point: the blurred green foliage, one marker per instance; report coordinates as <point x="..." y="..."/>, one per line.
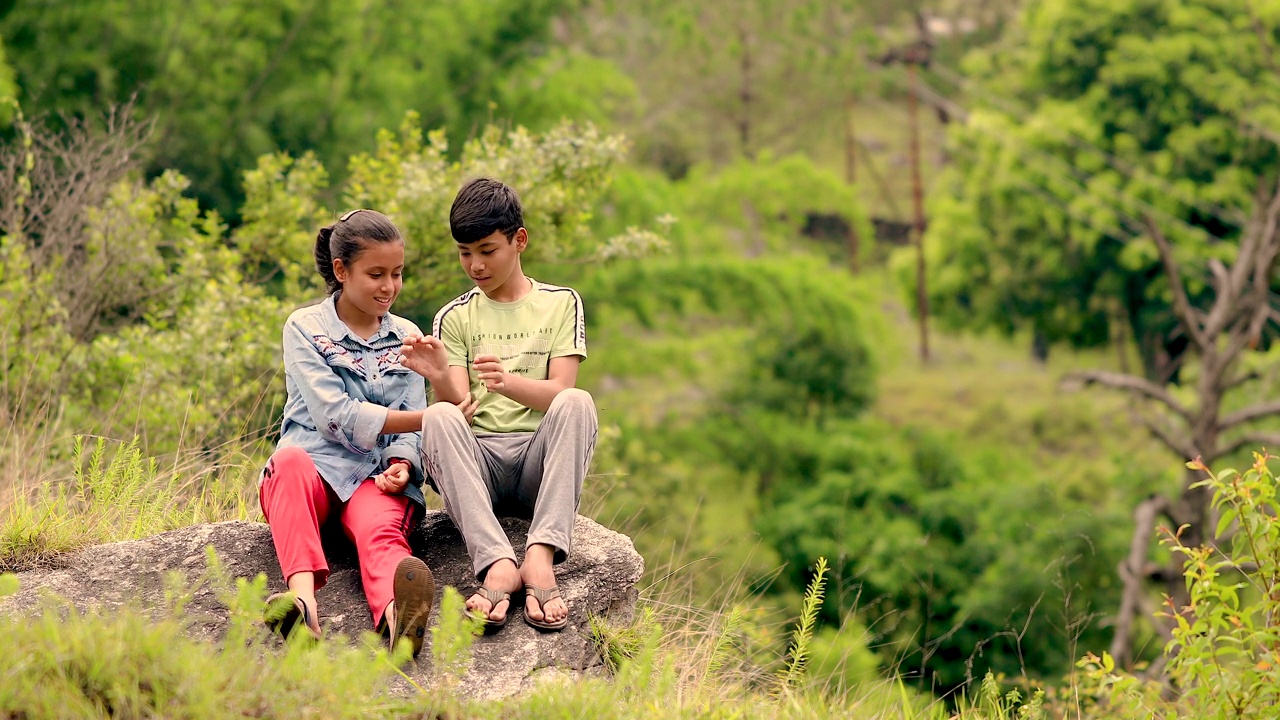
<point x="230" y="81"/>
<point x="954" y="549"/>
<point x="183" y="346"/>
<point x="759" y="406"/>
<point x="718" y="81"/>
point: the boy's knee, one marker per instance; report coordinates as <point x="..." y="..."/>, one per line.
<point x="441" y="414"/>
<point x="576" y="398"/>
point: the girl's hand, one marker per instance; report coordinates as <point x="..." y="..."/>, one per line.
<point x="393" y="480"/>
<point x="490" y="371"/>
<point x="468" y="407"/>
<point x="425" y="355"/>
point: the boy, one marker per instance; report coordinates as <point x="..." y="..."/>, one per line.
<point x="515" y="344"/>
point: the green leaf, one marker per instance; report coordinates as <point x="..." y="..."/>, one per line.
<point x="1228" y="516"/>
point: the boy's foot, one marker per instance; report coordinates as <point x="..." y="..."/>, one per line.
<point x="546" y="597"/>
<point x="493" y="600"/>
<point x="500" y="602"/>
<point x="414" y="590"/>
<point x="544" y="607"/>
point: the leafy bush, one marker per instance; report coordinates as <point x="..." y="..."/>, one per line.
<point x="805" y="351"/>
<point x="769" y="205"/>
<point x="1223" y="659"/>
<point x="927" y="547"/>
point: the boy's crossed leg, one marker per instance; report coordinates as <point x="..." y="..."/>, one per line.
<point x="539" y="473"/>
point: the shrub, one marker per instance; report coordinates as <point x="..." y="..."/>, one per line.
<point x="1224" y="653"/>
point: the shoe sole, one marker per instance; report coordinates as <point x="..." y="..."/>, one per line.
<point x="414" y="590"/>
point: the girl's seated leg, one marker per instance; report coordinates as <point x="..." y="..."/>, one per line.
<point x="378" y="525"/>
<point x="296" y="502"/>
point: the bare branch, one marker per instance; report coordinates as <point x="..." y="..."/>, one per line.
<point x="1221" y="279"/>
<point x="1249" y="414"/>
<point x="1241" y="379"/>
<point x="71" y="175"/>
<point x="1131" y="573"/>
<point x="1186" y="314"/>
<point x="1256" y="439"/>
<point x="1252" y="234"/>
<point x="1134" y="384"/>
<point x="1184" y="448"/>
<point x="1243" y="310"/>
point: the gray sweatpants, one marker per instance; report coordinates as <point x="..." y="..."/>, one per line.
<point x="536" y="474"/>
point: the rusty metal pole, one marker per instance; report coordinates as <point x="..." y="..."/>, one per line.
<point x="851" y="177"/>
<point x="917" y="201"/>
<point x="850" y="143"/>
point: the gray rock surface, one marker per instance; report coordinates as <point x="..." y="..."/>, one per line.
<point x="598" y="579"/>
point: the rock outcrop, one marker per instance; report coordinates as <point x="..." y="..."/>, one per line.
<point x="598" y="579"/>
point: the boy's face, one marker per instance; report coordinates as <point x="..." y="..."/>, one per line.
<point x="491" y="262"/>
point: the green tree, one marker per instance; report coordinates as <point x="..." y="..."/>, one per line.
<point x="1139" y="190"/>
<point x="723" y="80"/>
<point x="1095" y="119"/>
<point x="230" y="81"/>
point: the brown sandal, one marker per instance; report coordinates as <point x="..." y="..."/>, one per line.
<point x="414" y="590"/>
<point x="543" y="595"/>
<point x="494" y="597"/>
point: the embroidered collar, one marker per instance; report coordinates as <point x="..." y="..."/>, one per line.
<point x="337" y="329"/>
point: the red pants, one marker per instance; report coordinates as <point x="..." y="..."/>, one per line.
<point x="297" y="501"/>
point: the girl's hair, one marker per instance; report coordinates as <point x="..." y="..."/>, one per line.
<point x="345" y="240"/>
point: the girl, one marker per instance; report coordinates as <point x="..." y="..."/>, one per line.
<point x="349" y="443"/>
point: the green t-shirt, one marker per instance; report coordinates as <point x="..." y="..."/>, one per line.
<point x="546" y="323"/>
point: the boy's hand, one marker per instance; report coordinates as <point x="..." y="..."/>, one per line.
<point x="490" y="371"/>
<point x="424" y="355"/>
<point x="468" y="407"/>
<point x="393" y="480"/>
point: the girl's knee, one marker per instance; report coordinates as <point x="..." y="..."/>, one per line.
<point x="288" y="461"/>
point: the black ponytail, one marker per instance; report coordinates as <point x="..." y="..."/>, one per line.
<point x="324" y="260"/>
<point x="345" y="240"/>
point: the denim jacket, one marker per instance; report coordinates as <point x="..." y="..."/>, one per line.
<point x="339" y="388"/>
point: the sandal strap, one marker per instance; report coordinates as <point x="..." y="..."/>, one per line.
<point x="542" y="595"/>
<point x="493" y="596"/>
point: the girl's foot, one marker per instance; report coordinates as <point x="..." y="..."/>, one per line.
<point x="414" y="591"/>
<point x="301" y="612"/>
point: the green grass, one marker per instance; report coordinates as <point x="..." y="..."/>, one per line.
<point x="705" y="643"/>
<point x="670" y="663"/>
<point x="114" y="493"/>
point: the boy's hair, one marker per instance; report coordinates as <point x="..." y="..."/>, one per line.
<point x="347" y="238"/>
<point x="485" y="206"/>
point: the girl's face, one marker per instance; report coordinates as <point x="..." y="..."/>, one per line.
<point x="373" y="279"/>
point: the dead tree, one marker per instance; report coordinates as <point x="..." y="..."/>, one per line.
<point x="1218" y="336"/>
<point x="51" y="182"/>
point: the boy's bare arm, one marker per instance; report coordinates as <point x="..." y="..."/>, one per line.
<point x="562" y="373"/>
<point x="453" y="386"/>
